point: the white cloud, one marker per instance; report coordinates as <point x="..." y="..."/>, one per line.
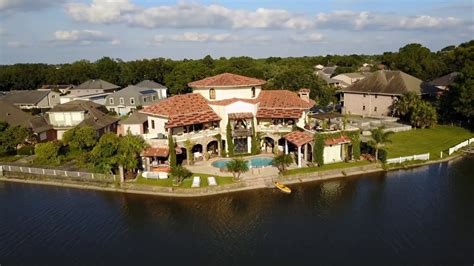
<point x="26" y="5"/>
<point x="16" y="44"/>
<point x="84" y="37"/>
<point x="186" y="15"/>
<point x="311" y="37"/>
<point x="368" y="21"/>
<point x="195" y="37"/>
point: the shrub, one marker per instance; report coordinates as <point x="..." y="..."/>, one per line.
<point x="26" y="150"/>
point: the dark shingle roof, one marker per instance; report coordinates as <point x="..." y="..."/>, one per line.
<point x="150" y="84"/>
<point x="25" y="97"/>
<point x="96" y="84"/>
<point x="445" y="80"/>
<point x="135" y="118"/>
<point x="77" y="105"/>
<point x="391" y="82"/>
<point x="14" y="116"/>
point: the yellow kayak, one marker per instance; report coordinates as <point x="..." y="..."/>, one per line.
<point x="282" y="187"/>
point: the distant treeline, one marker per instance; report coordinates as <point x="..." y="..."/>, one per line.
<point x="281" y="73"/>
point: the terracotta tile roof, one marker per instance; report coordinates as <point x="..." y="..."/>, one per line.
<point x="299" y="138"/>
<point x="159" y="151"/>
<point x="278" y="113"/>
<point x="181" y="110"/>
<point x="226" y="80"/>
<point x="333" y="141"/>
<point x="235" y="116"/>
<point x="282" y="99"/>
<point x="232" y="100"/>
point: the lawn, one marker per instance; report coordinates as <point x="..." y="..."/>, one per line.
<point x="325" y="167"/>
<point x="433" y="140"/>
<point x="11" y="158"/>
<point x="221" y="180"/>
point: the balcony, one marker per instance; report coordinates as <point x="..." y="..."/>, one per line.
<point x="241" y="132"/>
<point x="197" y="134"/>
<point x="275" y="128"/>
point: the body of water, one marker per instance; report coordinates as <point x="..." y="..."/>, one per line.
<point x="421" y="216"/>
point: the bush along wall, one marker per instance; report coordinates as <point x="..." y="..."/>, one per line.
<point x="230" y="142"/>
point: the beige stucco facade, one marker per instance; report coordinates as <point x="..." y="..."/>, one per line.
<point x="222" y="93"/>
<point x="367" y="104"/>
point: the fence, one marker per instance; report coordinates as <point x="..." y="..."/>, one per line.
<point x="460" y="145"/>
<point x="58" y="173"/>
<point x="424" y="157"/>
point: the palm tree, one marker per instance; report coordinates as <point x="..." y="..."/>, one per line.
<point x="237" y="167"/>
<point x="282" y="161"/>
<point x="179" y="173"/>
<point x="189" y="144"/>
<point x="379" y="138"/>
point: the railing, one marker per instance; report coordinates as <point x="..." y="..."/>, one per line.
<point x="242" y="132"/>
<point x="423" y="157"/>
<point x="58" y="173"/>
<point x="197" y="134"/>
<point x="460" y="145"/>
<point x="273" y="128"/>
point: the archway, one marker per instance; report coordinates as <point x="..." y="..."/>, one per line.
<point x="180" y="157"/>
<point x="309" y="155"/>
<point x="268" y="144"/>
<point x="213" y="147"/>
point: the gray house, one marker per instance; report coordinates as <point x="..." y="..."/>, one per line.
<point x="128" y="99"/>
<point x="149" y="84"/>
<point x="32" y="99"/>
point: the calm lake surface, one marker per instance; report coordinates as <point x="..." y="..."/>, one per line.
<point x="422" y="216"/>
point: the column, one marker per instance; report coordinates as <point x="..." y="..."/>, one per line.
<point x="299" y="157"/>
<point x="147" y="163"/>
<point x="219" y="145"/>
<point x="249" y="144"/>
<point x="306" y="152"/>
<point x="286" y="147"/>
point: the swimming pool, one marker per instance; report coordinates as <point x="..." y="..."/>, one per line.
<point x="252" y="162"/>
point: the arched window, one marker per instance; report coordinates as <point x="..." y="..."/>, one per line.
<point x="212" y="94"/>
<point x="253" y="92"/>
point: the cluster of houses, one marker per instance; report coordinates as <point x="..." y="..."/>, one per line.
<point x="285" y="121"/>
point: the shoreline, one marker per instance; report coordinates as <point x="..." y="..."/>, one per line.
<point x="230" y="188"/>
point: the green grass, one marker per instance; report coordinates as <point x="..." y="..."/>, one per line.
<point x="11" y="158"/>
<point x="325" y="167"/>
<point x="221" y="180"/>
<point x="432" y="140"/>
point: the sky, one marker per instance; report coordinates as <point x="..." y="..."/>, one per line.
<point x="61" y="31"/>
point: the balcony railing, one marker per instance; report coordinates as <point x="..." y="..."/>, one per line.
<point x="241" y="132"/>
<point x="197" y="134"/>
<point x="275" y="128"/>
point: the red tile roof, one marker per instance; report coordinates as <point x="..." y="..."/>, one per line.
<point x="226" y="80"/>
<point x="232" y="100"/>
<point x="281" y="104"/>
<point x="235" y="116"/>
<point x="159" y="151"/>
<point x="182" y="110"/>
<point x="299" y="138"/>
<point x="278" y="113"/>
<point x="333" y="141"/>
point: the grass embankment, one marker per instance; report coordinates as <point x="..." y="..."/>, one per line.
<point x="221" y="180"/>
<point x="432" y="140"/>
<point x="325" y="167"/>
<point x="11" y="158"/>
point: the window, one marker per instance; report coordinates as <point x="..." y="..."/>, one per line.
<point x="111" y="100"/>
<point x="375" y="109"/>
<point x="153" y="98"/>
<point x="365" y="95"/>
<point x="145" y="99"/>
<point x="153" y="124"/>
<point x="112" y="109"/>
<point x="253" y="92"/>
<point x="363" y="107"/>
<point x="132" y="100"/>
<point x="122" y="101"/>
<point x="212" y="94"/>
<point x="53" y="96"/>
<point x="375" y="96"/>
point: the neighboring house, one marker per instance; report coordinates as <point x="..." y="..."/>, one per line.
<point x="32" y="99"/>
<point x="136" y="123"/>
<point x="149" y="84"/>
<point x="325" y="74"/>
<point x="95" y="90"/>
<point x="347" y="79"/>
<point x="220" y="100"/>
<point x="63" y="89"/>
<point x="129" y="99"/>
<point x="374" y="95"/>
<point x="80" y="113"/>
<point x="14" y="116"/>
<point x="318" y="67"/>
<point x="445" y="82"/>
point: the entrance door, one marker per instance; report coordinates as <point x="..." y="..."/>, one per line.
<point x="241" y="145"/>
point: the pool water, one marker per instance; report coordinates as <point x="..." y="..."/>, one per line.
<point x="253" y="162"/>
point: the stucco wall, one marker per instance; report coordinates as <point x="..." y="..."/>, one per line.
<point x="375" y="105"/>
<point x="228" y="93"/>
<point x="332" y="154"/>
<point x="159" y="125"/>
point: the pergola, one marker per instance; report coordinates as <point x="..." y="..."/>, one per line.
<point x="300" y="139"/>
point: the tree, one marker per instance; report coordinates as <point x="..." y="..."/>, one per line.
<point x="129" y="151"/>
<point x="81" y="139"/>
<point x="378" y="138"/>
<point x="423" y="115"/>
<point x="104" y="156"/>
<point x="189" y="144"/>
<point x="172" y="151"/>
<point x="255" y="140"/>
<point x="282" y="161"/>
<point x="237" y="167"/>
<point x="108" y="69"/>
<point x="403" y="106"/>
<point x="179" y="173"/>
<point x="12" y="137"/>
<point x="230" y="142"/>
<point x="318" y="149"/>
<point x="48" y="153"/>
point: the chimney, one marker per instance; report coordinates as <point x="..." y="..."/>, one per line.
<point x="304" y="94"/>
